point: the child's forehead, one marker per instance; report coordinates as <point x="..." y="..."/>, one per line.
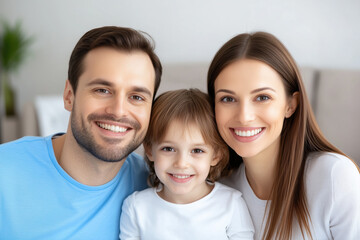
<point x="183" y="128"/>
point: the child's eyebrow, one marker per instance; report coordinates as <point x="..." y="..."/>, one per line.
<point x="201" y="145"/>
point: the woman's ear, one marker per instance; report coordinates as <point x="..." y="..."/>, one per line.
<point x="147" y="150"/>
<point x="68" y="96"/>
<point x="292" y="104"/>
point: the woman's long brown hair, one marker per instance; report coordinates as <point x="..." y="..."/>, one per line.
<point x="299" y="137"/>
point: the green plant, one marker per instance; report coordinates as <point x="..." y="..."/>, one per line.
<point x="13" y="49"/>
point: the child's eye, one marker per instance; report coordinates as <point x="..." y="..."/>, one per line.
<point x="227" y="99"/>
<point x="197" y="150"/>
<point x="168" y="149"/>
<point x="262" y="98"/>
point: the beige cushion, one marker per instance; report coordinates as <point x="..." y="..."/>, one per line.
<point x="183" y="75"/>
<point x="338" y="111"/>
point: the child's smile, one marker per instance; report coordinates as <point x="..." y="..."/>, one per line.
<point x="182" y="163"/>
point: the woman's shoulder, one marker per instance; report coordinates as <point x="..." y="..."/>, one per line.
<point x="330" y="169"/>
<point x="328" y="162"/>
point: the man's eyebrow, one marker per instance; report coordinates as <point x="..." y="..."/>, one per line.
<point x="100" y="81"/>
<point x="143" y="90"/>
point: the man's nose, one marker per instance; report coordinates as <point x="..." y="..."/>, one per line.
<point x="117" y="106"/>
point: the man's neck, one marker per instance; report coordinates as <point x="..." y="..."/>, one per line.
<point x="81" y="165"/>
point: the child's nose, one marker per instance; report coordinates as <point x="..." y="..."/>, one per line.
<point x="181" y="161"/>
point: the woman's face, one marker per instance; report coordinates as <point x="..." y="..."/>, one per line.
<point x="250" y="107"/>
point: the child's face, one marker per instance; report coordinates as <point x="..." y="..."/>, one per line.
<point x="182" y="162"/>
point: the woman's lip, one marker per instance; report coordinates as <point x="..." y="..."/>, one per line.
<point x="247" y="134"/>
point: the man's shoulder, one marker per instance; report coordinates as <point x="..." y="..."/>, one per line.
<point x="136" y="160"/>
<point x="136" y="170"/>
<point x="21" y="145"/>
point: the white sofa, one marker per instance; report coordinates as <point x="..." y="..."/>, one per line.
<point x="332" y="93"/>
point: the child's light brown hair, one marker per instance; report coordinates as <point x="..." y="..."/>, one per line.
<point x="189" y="106"/>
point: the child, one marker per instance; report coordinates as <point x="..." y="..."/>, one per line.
<point x="185" y="155"/>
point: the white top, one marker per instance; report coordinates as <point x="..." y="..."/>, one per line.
<point x="222" y="214"/>
<point x="332" y="185"/>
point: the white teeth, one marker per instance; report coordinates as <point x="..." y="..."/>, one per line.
<point x="181" y="176"/>
<point x="247" y="133"/>
<point x="112" y="128"/>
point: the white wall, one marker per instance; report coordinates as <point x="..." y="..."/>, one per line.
<point x="319" y="33"/>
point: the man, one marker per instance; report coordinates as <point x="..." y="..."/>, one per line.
<point x="72" y="186"/>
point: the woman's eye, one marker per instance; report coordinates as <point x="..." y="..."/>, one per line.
<point x="197" y="150"/>
<point x="227" y="99"/>
<point x="262" y="98"/>
<point x="167" y="149"/>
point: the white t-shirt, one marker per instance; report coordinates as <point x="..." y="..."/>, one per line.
<point x="222" y="214"/>
<point x="332" y="184"/>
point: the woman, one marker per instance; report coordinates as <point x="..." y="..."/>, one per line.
<point x="278" y="152"/>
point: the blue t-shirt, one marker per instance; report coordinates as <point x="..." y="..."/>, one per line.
<point x="39" y="200"/>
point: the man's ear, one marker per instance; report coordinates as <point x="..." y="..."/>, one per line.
<point x="68" y="96"/>
<point x="147" y="150"/>
<point x="292" y="104"/>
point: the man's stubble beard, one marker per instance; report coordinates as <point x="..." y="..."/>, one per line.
<point x="86" y="140"/>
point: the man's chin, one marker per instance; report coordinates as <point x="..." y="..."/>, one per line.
<point x="114" y="153"/>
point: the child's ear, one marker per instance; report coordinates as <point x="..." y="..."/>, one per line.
<point x="147" y="150"/>
<point x="292" y="104"/>
<point x="215" y="160"/>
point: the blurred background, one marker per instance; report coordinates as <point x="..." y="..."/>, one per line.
<point x="323" y="36"/>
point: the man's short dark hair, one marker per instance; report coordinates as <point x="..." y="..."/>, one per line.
<point x="124" y="39"/>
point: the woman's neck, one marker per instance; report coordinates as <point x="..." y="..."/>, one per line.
<point x="260" y="171"/>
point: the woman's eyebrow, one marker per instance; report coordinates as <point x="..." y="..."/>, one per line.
<point x="224" y="91"/>
<point x="262" y="89"/>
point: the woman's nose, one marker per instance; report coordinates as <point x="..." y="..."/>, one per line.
<point x="245" y="112"/>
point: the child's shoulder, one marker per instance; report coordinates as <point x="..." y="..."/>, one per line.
<point x="226" y="191"/>
<point x="143" y="193"/>
<point x="140" y="196"/>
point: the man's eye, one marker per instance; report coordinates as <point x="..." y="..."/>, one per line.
<point x="137" y="98"/>
<point x="167" y="149"/>
<point x="197" y="150"/>
<point x="103" y="91"/>
<point x="227" y="99"/>
<point x="262" y="98"/>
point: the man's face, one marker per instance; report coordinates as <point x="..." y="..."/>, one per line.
<point x="112" y="105"/>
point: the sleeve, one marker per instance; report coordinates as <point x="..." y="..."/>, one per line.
<point x="345" y="213"/>
<point x="129" y="229"/>
<point x="241" y="225"/>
